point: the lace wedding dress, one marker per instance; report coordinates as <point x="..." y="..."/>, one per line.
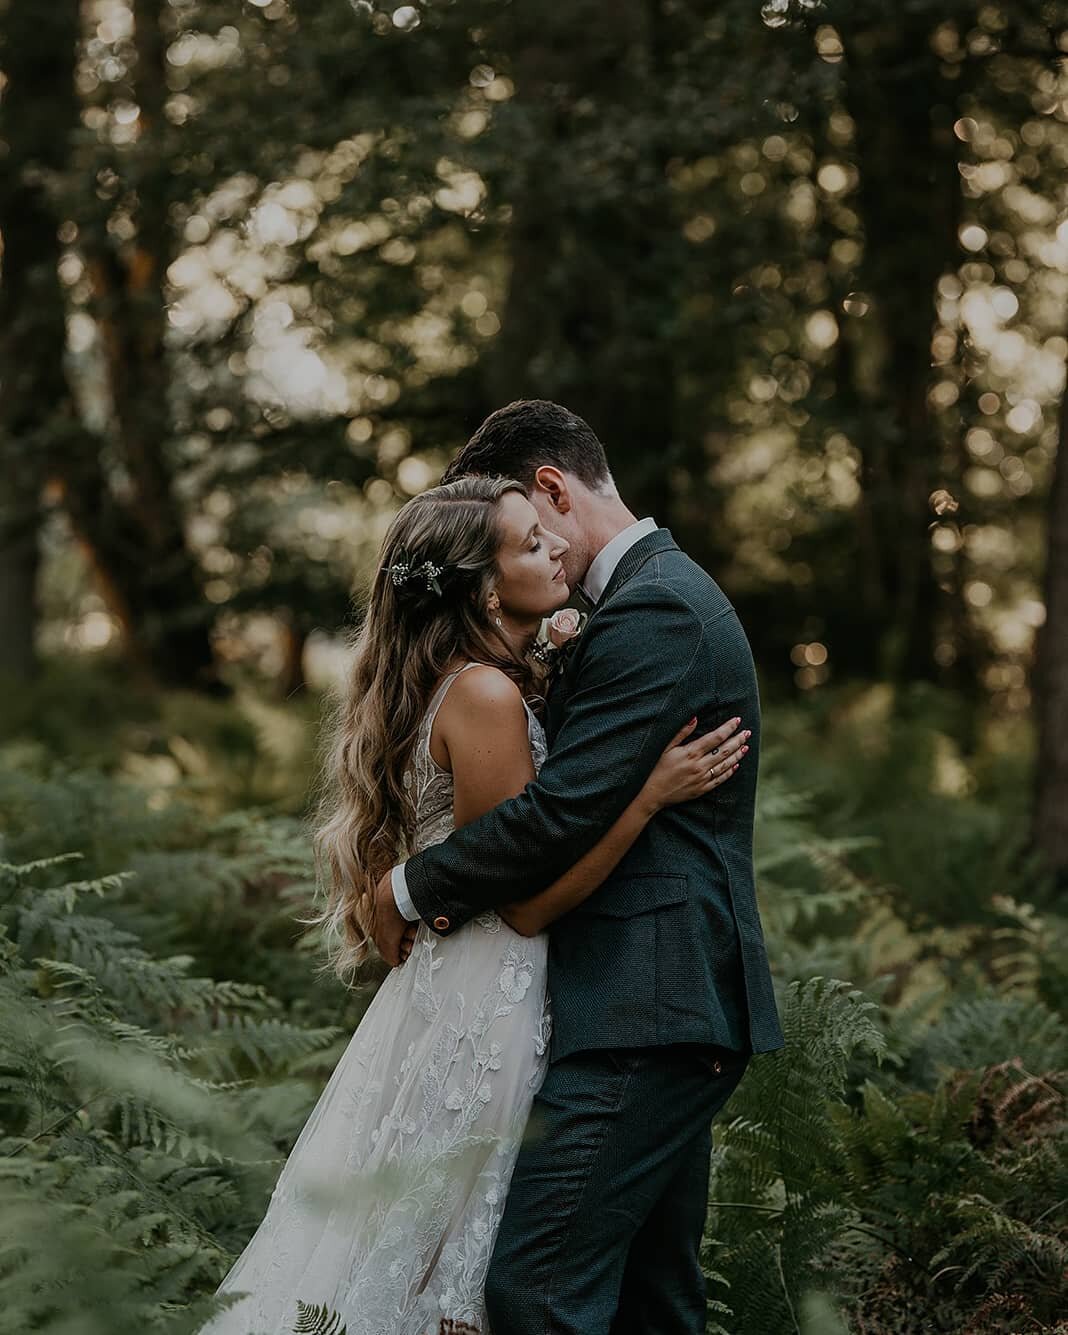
<point x="387" y="1209"/>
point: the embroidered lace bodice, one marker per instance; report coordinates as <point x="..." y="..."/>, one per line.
<point x="388" y="1207"/>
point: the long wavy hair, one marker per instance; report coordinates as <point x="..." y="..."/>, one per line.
<point x="411" y="634"/>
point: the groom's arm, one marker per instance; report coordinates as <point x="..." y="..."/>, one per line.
<point x="641" y="676"/>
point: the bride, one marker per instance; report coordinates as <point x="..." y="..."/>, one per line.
<point x="384" y="1216"/>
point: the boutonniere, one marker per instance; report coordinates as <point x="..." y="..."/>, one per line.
<point x="557" y="637"/>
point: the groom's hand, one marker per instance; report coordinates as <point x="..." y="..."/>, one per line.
<point x="394" y="935"/>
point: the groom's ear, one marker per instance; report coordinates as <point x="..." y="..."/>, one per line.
<point x="555" y="485"/>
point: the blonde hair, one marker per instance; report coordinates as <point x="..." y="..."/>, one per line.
<point x="409" y="637"/>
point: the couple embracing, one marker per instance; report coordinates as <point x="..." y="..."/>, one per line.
<point x="517" y="1137"/>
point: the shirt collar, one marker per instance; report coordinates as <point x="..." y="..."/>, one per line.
<point x="603" y="565"/>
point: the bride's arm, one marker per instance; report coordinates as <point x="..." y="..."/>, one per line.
<point x="684" y="771"/>
<point x="483" y="727"/>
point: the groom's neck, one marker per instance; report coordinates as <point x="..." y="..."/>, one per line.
<point x="607" y="517"/>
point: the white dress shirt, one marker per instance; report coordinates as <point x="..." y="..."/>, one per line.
<point x="601" y="570"/>
<point x="603" y="565"/>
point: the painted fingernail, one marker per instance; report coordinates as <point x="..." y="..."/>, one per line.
<point x="748" y="732"/>
<point x="744" y="750"/>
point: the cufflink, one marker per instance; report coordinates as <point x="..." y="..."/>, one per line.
<point x="441" y="923"/>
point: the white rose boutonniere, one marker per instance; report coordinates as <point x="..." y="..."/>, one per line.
<point x="558" y="633"/>
<point x="564" y="625"/>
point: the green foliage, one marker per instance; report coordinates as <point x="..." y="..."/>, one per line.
<point x="136" y="1144"/>
<point x="776" y="1197"/>
<point x="757" y="227"/>
<point x="800" y="267"/>
<point x="899" y="1165"/>
<point x="164" y="1034"/>
<point x="964" y="1184"/>
<point x="247" y="751"/>
<point x="318" y="1320"/>
<point x="947" y="1201"/>
<point x="944" y="817"/>
<point x="224" y="887"/>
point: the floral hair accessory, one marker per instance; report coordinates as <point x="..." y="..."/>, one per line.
<point x="403" y="570"/>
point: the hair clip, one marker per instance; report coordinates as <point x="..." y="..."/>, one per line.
<point x="402" y="571"/>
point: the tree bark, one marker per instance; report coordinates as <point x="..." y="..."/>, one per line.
<point x="140" y="548"/>
<point x="294" y="639"/>
<point x="909" y="187"/>
<point x="134" y="537"/>
<point x="40" y="112"/>
<point x="1051" y="676"/>
<point x="582" y="321"/>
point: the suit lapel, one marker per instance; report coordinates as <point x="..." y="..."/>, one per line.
<point x="632" y="560"/>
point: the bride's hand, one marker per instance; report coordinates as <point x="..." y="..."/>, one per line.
<point x="691" y="769"/>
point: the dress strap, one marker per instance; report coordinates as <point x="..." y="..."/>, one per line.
<point x="439" y="696"/>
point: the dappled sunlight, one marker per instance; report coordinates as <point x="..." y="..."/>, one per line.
<point x="802" y="266"/>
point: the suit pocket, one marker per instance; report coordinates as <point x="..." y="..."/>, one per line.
<point x="609" y="958"/>
<point x="629" y="896"/>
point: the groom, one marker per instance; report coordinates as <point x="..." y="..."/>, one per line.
<point x="659" y="982"/>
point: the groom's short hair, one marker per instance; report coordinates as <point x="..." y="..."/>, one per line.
<point x="517" y="440"/>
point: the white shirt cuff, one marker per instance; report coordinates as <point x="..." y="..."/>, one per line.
<point x="400" y="893"/>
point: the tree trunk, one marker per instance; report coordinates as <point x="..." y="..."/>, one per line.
<point x="294" y="639"/>
<point x="1051" y="676"/>
<point x="40" y="114"/>
<point x="584" y="317"/>
<point x="141" y="550"/>
<point x="18" y="593"/>
<point x="909" y="187"/>
<point x="135" y="538"/>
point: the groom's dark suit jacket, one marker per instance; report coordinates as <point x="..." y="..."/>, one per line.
<point x="669" y="949"/>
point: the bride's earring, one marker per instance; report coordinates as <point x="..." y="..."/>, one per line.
<point x="496" y="607"/>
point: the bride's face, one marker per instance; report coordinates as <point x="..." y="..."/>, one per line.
<point x="531" y="584"/>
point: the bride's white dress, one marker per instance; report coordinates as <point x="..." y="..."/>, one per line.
<point x="388" y="1206"/>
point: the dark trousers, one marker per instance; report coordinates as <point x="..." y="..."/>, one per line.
<point x="601" y="1234"/>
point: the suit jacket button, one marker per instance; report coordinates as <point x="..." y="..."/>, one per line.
<point x="441" y="923"/>
<point x="717" y="1067"/>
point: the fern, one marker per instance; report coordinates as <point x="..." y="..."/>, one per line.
<point x="123" y="1147"/>
<point x="777" y="1179"/>
<point x="966" y="1187"/>
<point x="987" y="1030"/>
<point x="902" y="1163"/>
<point x="317" y="1320"/>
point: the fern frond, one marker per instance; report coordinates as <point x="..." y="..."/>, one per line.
<point x="322" y="1320"/>
<point x="18" y="873"/>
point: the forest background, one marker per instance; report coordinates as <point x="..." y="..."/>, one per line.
<point x="804" y="267"/>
